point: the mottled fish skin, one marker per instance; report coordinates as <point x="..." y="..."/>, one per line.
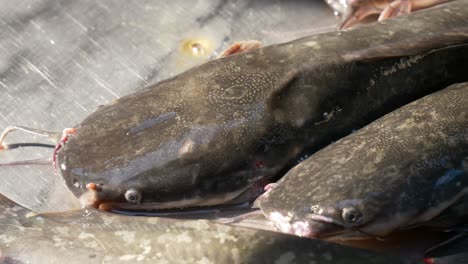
<point x="402" y="170"/>
<point x="97" y="237"/>
<point x="212" y="132"/>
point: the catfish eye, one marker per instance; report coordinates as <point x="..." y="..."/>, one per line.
<point x="133" y="196"/>
<point x="351" y="215"/>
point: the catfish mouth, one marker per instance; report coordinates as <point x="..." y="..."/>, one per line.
<point x="324" y="227"/>
<point x="96" y="197"/>
<point x="312" y="226"/>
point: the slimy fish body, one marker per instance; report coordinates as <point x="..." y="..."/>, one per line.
<point x="406" y="169"/>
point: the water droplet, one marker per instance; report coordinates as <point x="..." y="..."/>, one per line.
<point x="197" y="47"/>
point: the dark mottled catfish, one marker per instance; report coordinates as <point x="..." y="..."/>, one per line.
<point x="90" y="237"/>
<point x="218" y="132"/>
<point x="407" y="169"/>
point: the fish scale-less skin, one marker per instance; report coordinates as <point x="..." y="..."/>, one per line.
<point x="394" y="171"/>
<point x="218" y="128"/>
<point x="97" y="237"/>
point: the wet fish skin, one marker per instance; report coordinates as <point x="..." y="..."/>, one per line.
<point x="98" y="237"/>
<point x="207" y="135"/>
<point x="399" y="171"/>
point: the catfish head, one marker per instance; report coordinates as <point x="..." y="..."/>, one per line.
<point x="198" y="139"/>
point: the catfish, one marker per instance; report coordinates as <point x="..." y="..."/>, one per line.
<point x="219" y="132"/>
<point x="405" y="170"/>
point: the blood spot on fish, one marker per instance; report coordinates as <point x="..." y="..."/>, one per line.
<point x="428" y="260"/>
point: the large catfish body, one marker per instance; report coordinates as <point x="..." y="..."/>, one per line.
<point x="213" y="132"/>
<point x="406" y="169"/>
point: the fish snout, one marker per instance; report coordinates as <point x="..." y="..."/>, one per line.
<point x="316" y="226"/>
<point x="101" y="196"/>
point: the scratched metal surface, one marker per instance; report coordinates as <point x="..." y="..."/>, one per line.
<point x="59" y="60"/>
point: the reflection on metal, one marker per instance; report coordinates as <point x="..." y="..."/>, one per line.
<point x="197" y="47"/>
<point x="193" y="51"/>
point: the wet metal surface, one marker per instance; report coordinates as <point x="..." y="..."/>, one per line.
<point x="60" y="60"/>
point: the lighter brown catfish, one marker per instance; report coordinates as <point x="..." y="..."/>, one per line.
<point x="406" y="169"/>
<point x="220" y="131"/>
